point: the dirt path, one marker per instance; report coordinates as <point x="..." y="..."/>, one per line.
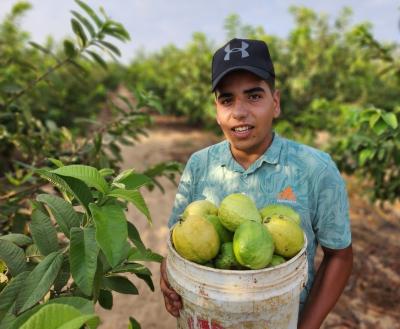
<point x="371" y="299"/>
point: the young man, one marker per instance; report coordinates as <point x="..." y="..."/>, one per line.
<point x="270" y="169"/>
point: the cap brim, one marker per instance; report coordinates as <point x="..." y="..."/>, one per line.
<point x="259" y="72"/>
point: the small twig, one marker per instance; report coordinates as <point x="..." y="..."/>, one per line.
<point x="27" y="189"/>
<point x="36" y="81"/>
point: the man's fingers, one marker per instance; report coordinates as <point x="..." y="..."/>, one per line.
<point x="172" y="300"/>
<point x="173" y="309"/>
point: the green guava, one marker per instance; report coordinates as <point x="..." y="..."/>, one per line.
<point x="287" y="235"/>
<point x="280" y="211"/>
<point x="209" y="264"/>
<point x="253" y="245"/>
<point x="201" y="208"/>
<point x="237" y="208"/>
<point x="196" y="239"/>
<point x="226" y="259"/>
<point x="276" y="260"/>
<point x="224" y="234"/>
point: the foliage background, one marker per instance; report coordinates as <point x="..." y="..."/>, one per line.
<point x="337" y="81"/>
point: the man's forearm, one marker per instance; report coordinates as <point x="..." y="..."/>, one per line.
<point x="330" y="280"/>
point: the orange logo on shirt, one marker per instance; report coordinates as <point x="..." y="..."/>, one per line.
<point x="287" y="194"/>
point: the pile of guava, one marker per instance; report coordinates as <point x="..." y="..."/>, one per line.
<point x="236" y="235"/>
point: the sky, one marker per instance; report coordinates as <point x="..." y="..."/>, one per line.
<point x="155" y="23"/>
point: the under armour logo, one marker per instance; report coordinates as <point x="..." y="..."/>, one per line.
<point x="243" y="50"/>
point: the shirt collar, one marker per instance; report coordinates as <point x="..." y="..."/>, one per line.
<point x="271" y="155"/>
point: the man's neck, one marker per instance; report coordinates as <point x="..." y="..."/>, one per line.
<point x="247" y="158"/>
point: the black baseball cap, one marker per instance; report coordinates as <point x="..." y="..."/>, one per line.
<point x="242" y="54"/>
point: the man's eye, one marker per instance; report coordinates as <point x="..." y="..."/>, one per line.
<point x="225" y="101"/>
<point x="254" y="97"/>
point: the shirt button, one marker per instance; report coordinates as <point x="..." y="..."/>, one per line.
<point x="244" y="175"/>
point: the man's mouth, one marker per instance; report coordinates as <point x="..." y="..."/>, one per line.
<point x="242" y="129"/>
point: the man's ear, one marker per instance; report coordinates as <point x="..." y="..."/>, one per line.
<point x="215" y="105"/>
<point x="276" y="96"/>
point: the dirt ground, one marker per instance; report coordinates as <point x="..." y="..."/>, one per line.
<point x="371" y="298"/>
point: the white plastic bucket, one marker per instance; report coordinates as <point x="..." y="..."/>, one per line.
<point x="227" y="299"/>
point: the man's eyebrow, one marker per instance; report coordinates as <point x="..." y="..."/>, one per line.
<point x="223" y="95"/>
<point x="247" y="91"/>
<point x="253" y="90"/>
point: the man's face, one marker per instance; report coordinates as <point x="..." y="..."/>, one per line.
<point x="245" y="110"/>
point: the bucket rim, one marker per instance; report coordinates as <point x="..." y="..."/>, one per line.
<point x="217" y="270"/>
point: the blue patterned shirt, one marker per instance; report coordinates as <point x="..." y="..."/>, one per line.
<point x="289" y="173"/>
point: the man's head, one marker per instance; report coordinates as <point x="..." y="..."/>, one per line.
<point x="243" y="54"/>
<point x="245" y="99"/>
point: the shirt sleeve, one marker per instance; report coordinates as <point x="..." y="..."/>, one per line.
<point x="184" y="194"/>
<point x="331" y="222"/>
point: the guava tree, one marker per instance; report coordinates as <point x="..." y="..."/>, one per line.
<point x="335" y="78"/>
<point x="63" y="249"/>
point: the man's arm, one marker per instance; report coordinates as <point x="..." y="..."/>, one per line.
<point x="330" y="280"/>
<point x="173" y="302"/>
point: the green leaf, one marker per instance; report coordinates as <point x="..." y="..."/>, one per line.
<point x="90" y="12"/>
<point x="106" y="172"/>
<point x="134" y="236"/>
<point x="3" y="267"/>
<point x="33" y="254"/>
<point x="111" y="231"/>
<point x="133" y="324"/>
<point x="43" y="232"/>
<point x="97" y="58"/>
<point x="120" y="284"/>
<point x="17" y="238"/>
<point x="110" y="47"/>
<point x="58" y="316"/>
<point x="83" y="258"/>
<point x="390" y="119"/>
<point x="132" y="180"/>
<point x="22" y="318"/>
<point x="380" y="127"/>
<point x="85" y="22"/>
<point x="70" y="185"/>
<point x="132" y="268"/>
<point x="58" y="163"/>
<point x="116" y="30"/>
<point x="82" y="70"/>
<point x="7" y="321"/>
<point x="69" y="49"/>
<point x="374" y="118"/>
<point x="365" y="155"/>
<point x="144" y="255"/>
<point x="78" y="30"/>
<point x="147" y="279"/>
<point x="87" y="174"/>
<point x="83" y="305"/>
<point x="63" y="276"/>
<point x="106" y="299"/>
<point x="11" y="88"/>
<point x="133" y="196"/>
<point x="9" y="294"/>
<point x="62" y="211"/>
<point x="39" y="47"/>
<point x="13" y="256"/>
<point x="39" y="281"/>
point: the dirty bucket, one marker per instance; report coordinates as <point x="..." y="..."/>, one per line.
<point x="227" y="299"/>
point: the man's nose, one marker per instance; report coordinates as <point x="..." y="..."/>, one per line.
<point x="239" y="110"/>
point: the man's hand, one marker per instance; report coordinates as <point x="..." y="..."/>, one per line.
<point x="329" y="282"/>
<point x="172" y="300"/>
